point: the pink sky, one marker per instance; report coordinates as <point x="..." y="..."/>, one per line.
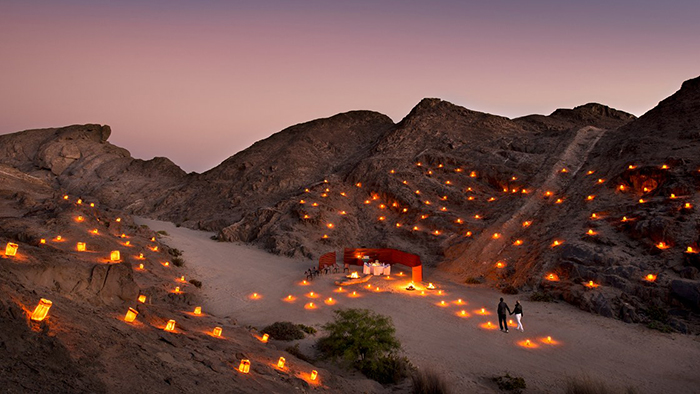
<point x="199" y="81"/>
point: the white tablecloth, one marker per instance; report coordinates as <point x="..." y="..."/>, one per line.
<point x="376" y="269"/>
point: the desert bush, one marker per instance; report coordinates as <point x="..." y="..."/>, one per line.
<point x="586" y="385"/>
<point x="509" y="290"/>
<point x="307" y="329"/>
<point x="659" y="326"/>
<point x="296" y="352"/>
<point x="162" y="232"/>
<point x="428" y="382"/>
<point x="196" y="283"/>
<point x="513" y="384"/>
<point x="178" y="261"/>
<point x="472" y="281"/>
<point x="358" y="335"/>
<point x="390" y="369"/>
<point x="541" y="297"/>
<point x="284" y="331"/>
<point x="175" y="252"/>
<point x="656" y="313"/>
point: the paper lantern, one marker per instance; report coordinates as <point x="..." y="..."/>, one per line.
<point x="153" y="239"/>
<point x="557" y="243"/>
<point x="430" y="286"/>
<point x="79" y="202"/>
<point x="123" y="235"/>
<point x="42" y="241"/>
<point x="65" y="197"/>
<point x="198" y="310"/>
<point x="118" y="220"/>
<point x="662" y="245"/>
<point x="115" y="255"/>
<point x="141" y="266"/>
<point x="92" y="205"/>
<point x="631" y="167"/>
<point x="665" y="167"/>
<point x="548" y="193"/>
<point x="280" y="363"/>
<point x="140" y="256"/>
<point x="59" y="238"/>
<point x="217" y="331"/>
<point x="11" y="249"/>
<point x="79" y="219"/>
<point x="314" y="375"/>
<point x="591" y="232"/>
<point x="177" y="290"/>
<point x="131" y="315"/>
<point x="142" y="298"/>
<point x="496" y="236"/>
<point x="310" y="305"/>
<point x="41" y="310"/>
<point x="500" y="264"/>
<point x="601" y="180"/>
<point x="265" y="338"/>
<point x="590" y="197"/>
<point x="518" y="242"/>
<point x="81" y="246"/>
<point x="244" y="367"/>
<point x="591" y="285"/>
<point x="691" y="250"/>
<point x="650" y="278"/>
<point x="170" y="326"/>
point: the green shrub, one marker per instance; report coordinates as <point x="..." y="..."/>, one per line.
<point x="144" y="226"/>
<point x="196" y="283"/>
<point x="428" y="382"/>
<point x="586" y="385"/>
<point x="178" y="261"/>
<point x="284" y="331"/>
<point x="472" y="281"/>
<point x="656" y="313"/>
<point x="509" y="290"/>
<point x="657" y="325"/>
<point x="162" y="232"/>
<point x="307" y="329"/>
<point x="175" y="252"/>
<point x="510" y="383"/>
<point x="358" y="335"/>
<point x="296" y="352"/>
<point x="390" y="369"/>
<point x="541" y="297"/>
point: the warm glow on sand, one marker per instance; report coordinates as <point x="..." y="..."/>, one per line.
<point x="310" y="305"/>
<point x="552" y="277"/>
<point x="329" y="301"/>
<point x="131" y="315"/>
<point x="556" y="243"/>
<point x="527" y="223"/>
<point x="142" y="298"/>
<point x="548" y="340"/>
<point x="354" y="294"/>
<point x="488" y="326"/>
<point x="312" y="295"/>
<point x="650" y="278"/>
<point x="170" y="326"/>
<point x="463" y="313"/>
<point x="255" y="296"/>
<point x="482" y="312"/>
<point x="662" y="245"/>
<point x="518" y="242"/>
<point x="591" y="232"/>
<point x="500" y="264"/>
<point x="496" y="236"/>
<point x="41" y="310"/>
<point x="289" y="298"/>
<point x="528" y="344"/>
<point x="11" y="249"/>
<point x="591" y="284"/>
<point x="691" y="250"/>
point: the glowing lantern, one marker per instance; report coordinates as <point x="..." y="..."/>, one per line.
<point x="558" y="201"/>
<point x="343" y="212"/>
<point x="642" y="201"/>
<point x="472" y="174"/>
<point x="311" y="305"/>
<point x="424" y="216"/>
<point x="557" y="243"/>
<point x="548" y="193"/>
<point x="81" y="246"/>
<point x="463" y="312"/>
<point x="358" y="184"/>
<point x="549" y="339"/>
<point x="590" y="197"/>
<point x="430" y="172"/>
<point x="491" y="199"/>
<point x="325" y="236"/>
<point x="65" y="197"/>
<point x="41" y="310"/>
<point x="422" y="292"/>
<point x="302" y="202"/>
<point x="518" y="242"/>
<point x="131" y="315"/>
<point x="114" y="256"/>
<point x="419" y="164"/>
<point x="59" y="238"/>
<point x="11" y="249"/>
<point x="329" y="225"/>
<point x="306" y="216"/>
<point x="553" y="277"/>
<point x="42" y="241"/>
<point x="142" y="298"/>
<point x="590" y="172"/>
<point x="459" y="221"/>
<point x="79" y="202"/>
<point x="477" y="217"/>
<point x="496" y="236"/>
<point x="255" y="296"/>
<point x="155" y="248"/>
<point x="95" y="231"/>
<point x="398" y="224"/>
<point x="354" y="275"/>
<point x="564" y="170"/>
<point x="141" y="266"/>
<point x="621" y="188"/>
<point x="458" y="170"/>
<point x="331" y="301"/>
<point x="662" y="245"/>
<point x="470" y="198"/>
<point x="436" y="232"/>
<point x="415" y="228"/>
<point x="673" y="196"/>
<point x="324" y="195"/>
<point x="426" y="202"/>
<point x="177" y="289"/>
<point x="527" y="223"/>
<point x="118" y="220"/>
<point x="625" y="219"/>
<point x="591" y="232"/>
<point x="690" y="250"/>
<point x="688" y="205"/>
<point x="527" y="342"/>
<point x="650" y="278"/>
<point x="443" y="209"/>
<point x="92" y="205"/>
<point x="343" y="194"/>
<point x="314" y="375"/>
<point x="631" y="167"/>
<point x="594" y="216"/>
<point x="140" y="256"/>
<point x="430" y="286"/>
<point x="123" y="235"/>
<point x="448" y="183"/>
<point x="244" y="367"/>
<point x="265" y="338"/>
<point x="280" y="363"/>
<point x="166" y="264"/>
<point x="601" y="180"/>
<point x="368" y="202"/>
<point x="217" y="331"/>
<point x="591" y="284"/>
<point x="460" y="302"/>
<point x="500" y="264"/>
<point x="468" y="234"/>
<point x="381" y="218"/>
<point x="382" y="206"/>
<point x="664" y="167"/>
<point x="79" y="219"/>
<point x="314" y="204"/>
<point x="170" y="326"/>
<point x="198" y="310"/>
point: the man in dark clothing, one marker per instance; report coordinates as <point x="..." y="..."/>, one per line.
<point x="502" y="308"/>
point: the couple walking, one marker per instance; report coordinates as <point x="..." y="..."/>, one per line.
<point x="517" y="311"/>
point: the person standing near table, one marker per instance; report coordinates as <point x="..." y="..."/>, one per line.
<point x="502" y="317"/>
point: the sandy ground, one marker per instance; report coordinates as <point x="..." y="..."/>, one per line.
<point x="435" y="336"/>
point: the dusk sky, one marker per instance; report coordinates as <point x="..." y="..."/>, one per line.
<point x="197" y="81"/>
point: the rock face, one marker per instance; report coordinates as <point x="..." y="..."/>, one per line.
<point x="557" y="194"/>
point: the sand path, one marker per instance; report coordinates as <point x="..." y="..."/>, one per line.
<point x="435" y="336"/>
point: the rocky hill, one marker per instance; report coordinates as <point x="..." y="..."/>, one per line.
<point x="511" y="203"/>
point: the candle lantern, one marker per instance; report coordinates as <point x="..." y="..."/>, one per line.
<point x="115" y="255"/>
<point x="280" y="362"/>
<point x="198" y="310"/>
<point x="170" y="326"/>
<point x="131" y="315"/>
<point x="41" y="310"/>
<point x="81" y="246"/>
<point x="142" y="298"/>
<point x="11" y="249"/>
<point x="244" y="367"/>
<point x="265" y="338"/>
<point x="314" y="375"/>
<point x="217" y="331"/>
